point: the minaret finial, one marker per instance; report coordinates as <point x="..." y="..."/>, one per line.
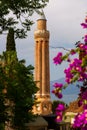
<point x="42" y="15"/>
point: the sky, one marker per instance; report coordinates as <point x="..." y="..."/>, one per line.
<point x="63" y="21"/>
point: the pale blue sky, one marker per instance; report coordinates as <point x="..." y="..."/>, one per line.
<point x="63" y="22"/>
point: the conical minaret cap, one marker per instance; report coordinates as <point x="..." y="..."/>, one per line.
<point x="41" y="22"/>
<point x="42" y="16"/>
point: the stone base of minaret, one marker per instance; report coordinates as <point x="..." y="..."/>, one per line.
<point x="43" y="106"/>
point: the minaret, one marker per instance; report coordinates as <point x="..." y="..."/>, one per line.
<point x="42" y="70"/>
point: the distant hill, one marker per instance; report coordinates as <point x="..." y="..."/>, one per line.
<point x="69" y="94"/>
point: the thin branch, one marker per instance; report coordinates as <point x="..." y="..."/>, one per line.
<point x="60" y="47"/>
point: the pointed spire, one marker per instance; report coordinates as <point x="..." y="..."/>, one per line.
<point x="42" y="15"/>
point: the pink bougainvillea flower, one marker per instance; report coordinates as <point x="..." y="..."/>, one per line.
<point x="53" y="91"/>
<point x="80" y="78"/>
<point x="60" y="107"/>
<point x="77" y="61"/>
<point x="85" y="107"/>
<point x="83" y="76"/>
<point x="84" y="128"/>
<point x="59" y="112"/>
<point x="68" y="74"/>
<point x="81" y="120"/>
<point x="85" y="38"/>
<point x="84" y="95"/>
<point x="58" y="85"/>
<point x="83" y="47"/>
<point x="58" y="58"/>
<point x="74" y="67"/>
<point x="84" y="25"/>
<point x="57" y="90"/>
<point x="85" y="114"/>
<point x="78" y="68"/>
<point x="86" y="19"/>
<point x="68" y="60"/>
<point x="78" y="121"/>
<point x="59" y="118"/>
<point x="80" y="45"/>
<point x="67" y="80"/>
<point x="59" y="95"/>
<point x="72" y="52"/>
<point x="80" y="102"/>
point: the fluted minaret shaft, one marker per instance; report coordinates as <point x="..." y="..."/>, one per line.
<point x="42" y="70"/>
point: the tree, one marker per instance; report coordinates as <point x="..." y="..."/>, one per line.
<point x="17" y="92"/>
<point x="17" y="88"/>
<point x="10" y="45"/>
<point x="3" y="108"/>
<point x="76" y="71"/>
<point x="13" y="12"/>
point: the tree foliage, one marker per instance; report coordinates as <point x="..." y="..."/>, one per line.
<point x="10" y="45"/>
<point x="17" y="90"/>
<point x="13" y="12"/>
<point x="17" y="86"/>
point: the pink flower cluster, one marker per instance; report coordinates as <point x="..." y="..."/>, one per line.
<point x="59" y="112"/>
<point x="80" y="120"/>
<point x="83" y="47"/>
<point x="83" y="97"/>
<point x="77" y="71"/>
<point x="85" y="38"/>
<point x="72" y="52"/>
<point x="58" y="58"/>
<point x="84" y="25"/>
<point x="57" y="90"/>
<point x="74" y="67"/>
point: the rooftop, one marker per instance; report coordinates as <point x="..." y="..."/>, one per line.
<point x="73" y="107"/>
